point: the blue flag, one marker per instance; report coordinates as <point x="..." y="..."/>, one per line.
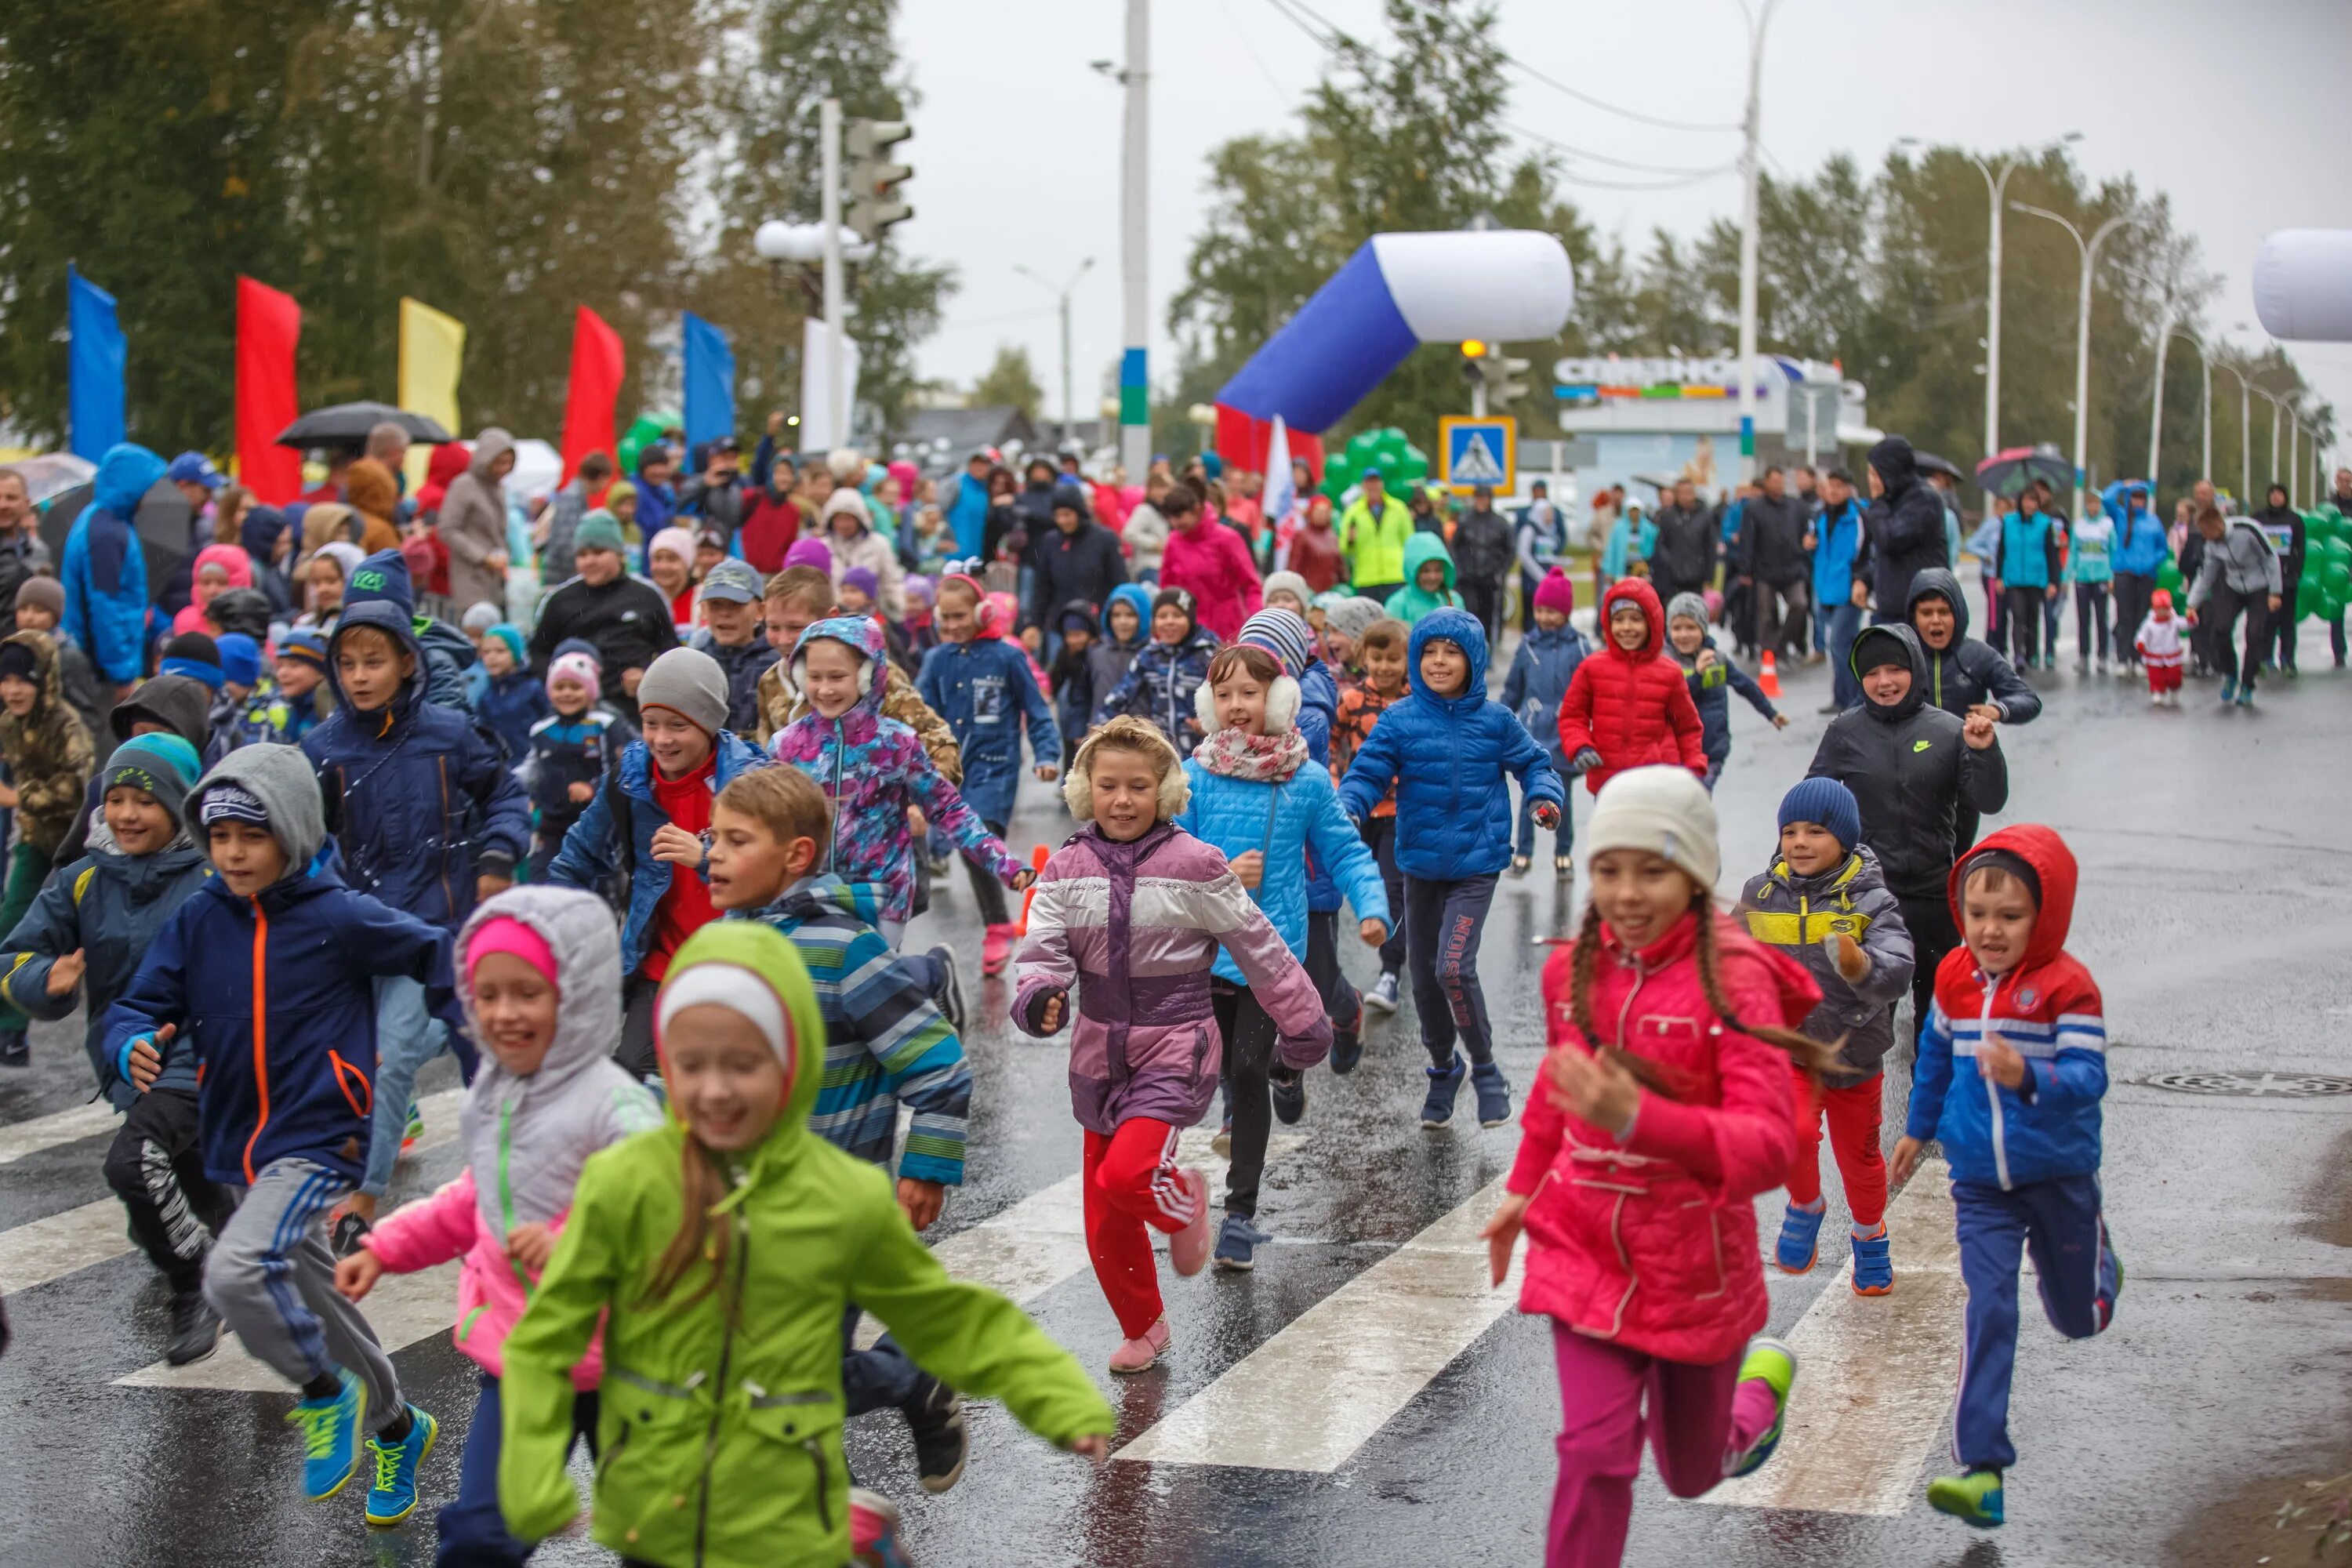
<point x="94" y="359"/>
<point x="710" y="382"/>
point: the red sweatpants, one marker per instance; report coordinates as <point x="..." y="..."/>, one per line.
<point x="2163" y="678"/>
<point x="1131" y="1182"/>
<point x="1854" y="1118"/>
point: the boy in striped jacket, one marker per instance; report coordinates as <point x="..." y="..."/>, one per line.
<point x="887" y="1041"/>
<point x="2012" y="1063"/>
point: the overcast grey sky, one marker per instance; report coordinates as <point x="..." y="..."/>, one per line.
<point x="2241" y="112"/>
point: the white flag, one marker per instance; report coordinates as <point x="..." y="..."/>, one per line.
<point x="1281" y="492"/>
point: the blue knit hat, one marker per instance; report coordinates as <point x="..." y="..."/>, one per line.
<point x="240" y="657"/>
<point x="1281" y="633"/>
<point x="1827" y="802"/>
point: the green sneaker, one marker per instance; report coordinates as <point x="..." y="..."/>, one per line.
<point x="1972" y="1499"/>
<point x="1773" y="1365"/>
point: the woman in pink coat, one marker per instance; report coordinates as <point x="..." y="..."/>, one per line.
<point x="1664" y="1109"/>
<point x="1212" y="562"/>
<point x="218" y="568"/>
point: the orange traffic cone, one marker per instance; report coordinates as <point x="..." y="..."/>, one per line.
<point x="1038" y="864"/>
<point x="1769" y="680"/>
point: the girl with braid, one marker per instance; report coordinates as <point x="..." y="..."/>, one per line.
<point x="1666" y="1106"/>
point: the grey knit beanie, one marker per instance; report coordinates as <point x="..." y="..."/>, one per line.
<point x="1350" y="617"/>
<point x="689" y="682"/>
<point x="1689" y="605"/>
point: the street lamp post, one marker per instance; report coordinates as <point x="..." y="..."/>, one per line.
<point x="1749" y="236"/>
<point x="2090" y="249"/>
<point x="2245" y="426"/>
<point x="1063" y="291"/>
<point x="2165" y="334"/>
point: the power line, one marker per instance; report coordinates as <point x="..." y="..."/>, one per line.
<point x="1585" y="98"/>
<point x="1579" y="153"/>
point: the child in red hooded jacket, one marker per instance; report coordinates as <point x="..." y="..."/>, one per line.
<point x="1666" y="1109"/>
<point x="1628" y="705"/>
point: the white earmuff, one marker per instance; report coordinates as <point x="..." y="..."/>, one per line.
<point x="1204" y="708"/>
<point x="1282" y="703"/>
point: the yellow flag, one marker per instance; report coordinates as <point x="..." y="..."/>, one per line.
<point x="432" y="353"/>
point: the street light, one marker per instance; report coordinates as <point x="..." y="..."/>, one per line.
<point x="2278" y="407"/>
<point x="2090" y="249"/>
<point x="1996" y="188"/>
<point x="1749" y="222"/>
<point x="2205" y="460"/>
<point x="1064" y="292"/>
<point x="2245" y="426"/>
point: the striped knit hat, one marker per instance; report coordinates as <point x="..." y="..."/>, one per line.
<point x="1281" y="633"/>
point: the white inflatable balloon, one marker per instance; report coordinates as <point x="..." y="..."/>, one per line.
<point x="2302" y="285"/>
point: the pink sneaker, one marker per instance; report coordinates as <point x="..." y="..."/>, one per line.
<point x="1187" y="1250"/>
<point x="995" y="949"/>
<point x="874" y="1532"/>
<point x="1141" y="1354"/>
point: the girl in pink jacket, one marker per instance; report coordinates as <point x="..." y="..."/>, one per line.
<point x="542" y="971"/>
<point x="1665" y="1109"/>
<point x="1128" y="915"/>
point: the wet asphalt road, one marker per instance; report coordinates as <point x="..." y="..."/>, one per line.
<point x="2215" y="910"/>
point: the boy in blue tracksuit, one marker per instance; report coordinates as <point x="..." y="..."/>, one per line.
<point x="1534" y="689"/>
<point x="1837" y="539"/>
<point x="1448" y="749"/>
<point x="264" y="980"/>
<point x="2012" y="1063"/>
<point x="425" y="813"/>
<point x="1712" y="679"/>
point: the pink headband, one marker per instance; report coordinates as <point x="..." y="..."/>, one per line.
<point x="504" y="934"/>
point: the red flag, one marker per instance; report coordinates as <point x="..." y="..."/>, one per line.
<point x="597" y="366"/>
<point x="268" y="323"/>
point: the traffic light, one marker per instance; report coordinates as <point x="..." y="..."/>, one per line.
<point x="1473" y="354"/>
<point x="874" y="204"/>
<point x="1507" y="378"/>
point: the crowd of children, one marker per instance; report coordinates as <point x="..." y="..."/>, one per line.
<point x="692" y="1034"/>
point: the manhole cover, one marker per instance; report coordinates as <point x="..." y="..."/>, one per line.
<point x="2270" y="1085"/>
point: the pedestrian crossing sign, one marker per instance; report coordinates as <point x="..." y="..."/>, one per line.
<point x="1479" y="451"/>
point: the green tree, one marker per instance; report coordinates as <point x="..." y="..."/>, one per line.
<point x="1010" y="382"/>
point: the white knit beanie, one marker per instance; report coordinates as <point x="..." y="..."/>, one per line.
<point x="1664" y="811"/>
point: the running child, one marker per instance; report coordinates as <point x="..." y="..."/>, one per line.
<point x="1114" y="950"/>
<point x="543" y="993"/>
<point x="296" y="699"/>
<point x="1664" y="1111"/>
<point x="1534" y="689"/>
<point x="265" y="980"/>
<point x="1159" y="683"/>
<point x="1072" y="673"/>
<point x="1629" y="705"/>
<point x="1127" y="627"/>
<point x="2019" y="1125"/>
<point x="2162" y="649"/>
<point x="512" y="701"/>
<point x="50" y="757"/>
<point x="1257" y="797"/>
<point x="1712" y="679"/>
<point x="1824" y="901"/>
<point x="1382" y="647"/>
<point x="1344" y="624"/>
<point x="721" y="1254"/>
<point x="572" y="751"/>
<point x="87" y="932"/>
<point x="1448" y="749"/>
<point x="887" y="1043"/>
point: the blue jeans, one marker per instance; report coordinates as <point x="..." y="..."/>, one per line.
<point x="1844" y="626"/>
<point x="406" y="1037"/>
<point x="473" y="1530"/>
<point x="880" y="1377"/>
<point x="1563" y="837"/>
<point x="2058" y="1220"/>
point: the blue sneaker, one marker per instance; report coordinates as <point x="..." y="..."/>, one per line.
<point x="1438" y="1109"/>
<point x="1494" y="1091"/>
<point x="2246" y="695"/>
<point x="1774" y="1365"/>
<point x="2228" y="690"/>
<point x="1237" y="1244"/>
<point x="1972" y="1499"/>
<point x="393" y="1496"/>
<point x="1874" y="1269"/>
<point x="1801" y="1238"/>
<point x="331" y="1437"/>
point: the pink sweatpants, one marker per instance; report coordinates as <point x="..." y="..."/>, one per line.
<point x="1695" y="1419"/>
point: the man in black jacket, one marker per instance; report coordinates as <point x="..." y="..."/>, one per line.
<point x="1482" y="557"/>
<point x="625" y="617"/>
<point x="1077" y="558"/>
<point x="2284" y="524"/>
<point x="1775" y="557"/>
<point x="1902" y="534"/>
<point x="1688" y="534"/>
<point x="1913" y="769"/>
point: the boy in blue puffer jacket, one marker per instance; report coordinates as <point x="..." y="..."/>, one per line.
<point x="1448" y="749"/>
<point x="2012" y="1066"/>
<point x="426" y="813"/>
<point x="1162" y="679"/>
<point x="512" y="699"/>
<point x="1534" y="689"/>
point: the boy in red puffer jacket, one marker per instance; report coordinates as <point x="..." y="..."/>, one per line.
<point x="1628" y="705"/>
<point x="1664" y="1108"/>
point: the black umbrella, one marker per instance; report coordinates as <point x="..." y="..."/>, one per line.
<point x="165" y="526"/>
<point x="2008" y="473"/>
<point x="1928" y="463"/>
<point x="348" y="424"/>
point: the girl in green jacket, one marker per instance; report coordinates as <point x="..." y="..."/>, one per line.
<point x="722" y="1251"/>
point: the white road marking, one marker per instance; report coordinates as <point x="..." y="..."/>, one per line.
<point x="1040" y="1241"/>
<point x="403" y="1309"/>
<point x="19" y="1139"/>
<point x="61" y="1243"/>
<point x="1311" y="1396"/>
<point x="1874" y="1374"/>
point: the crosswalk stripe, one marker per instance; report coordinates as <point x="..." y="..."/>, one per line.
<point x="1040" y="1241"/>
<point x="1874" y="1374"/>
<point x="403" y="1309"/>
<point x="19" y="1139"/>
<point x="61" y="1243"/>
<point x="1311" y="1396"/>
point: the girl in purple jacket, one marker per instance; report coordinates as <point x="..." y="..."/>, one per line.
<point x="1130" y="914"/>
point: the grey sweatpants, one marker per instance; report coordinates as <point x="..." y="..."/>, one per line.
<point x="271" y="1278"/>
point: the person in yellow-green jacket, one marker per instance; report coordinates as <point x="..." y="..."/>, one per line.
<point x="1428" y="581"/>
<point x="1372" y="532"/>
<point x="720" y="1252"/>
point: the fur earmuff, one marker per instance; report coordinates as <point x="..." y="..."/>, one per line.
<point x="1126" y="733"/>
<point x="1282" y="703"/>
<point x="865" y="672"/>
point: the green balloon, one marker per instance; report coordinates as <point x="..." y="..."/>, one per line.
<point x="2337" y="578"/>
<point x="2331" y="606"/>
<point x="2307" y="597"/>
<point x="2319" y="527"/>
<point x="2167" y="576"/>
<point x="2337" y="550"/>
<point x="1360" y="447"/>
<point x="642" y="434"/>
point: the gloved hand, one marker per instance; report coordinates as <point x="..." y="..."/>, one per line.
<point x="1847" y="956"/>
<point x="1585" y="761"/>
<point x="1547" y="816"/>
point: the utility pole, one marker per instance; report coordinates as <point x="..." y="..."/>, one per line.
<point x="2090" y="249"/>
<point x="1069" y="411"/>
<point x="837" y="329"/>
<point x="1749" y="218"/>
<point x="1134" y="215"/>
